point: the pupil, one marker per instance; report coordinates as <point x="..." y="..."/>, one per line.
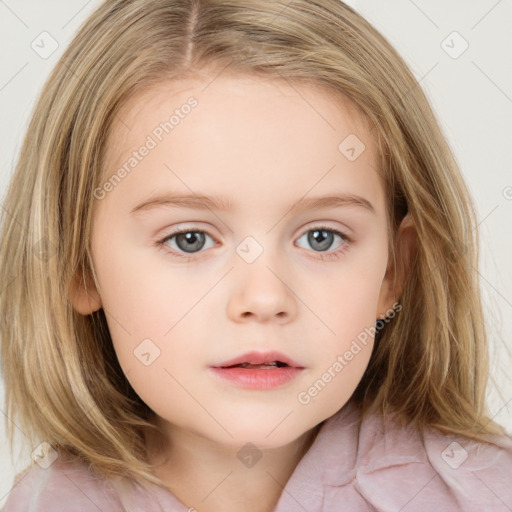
<point x="190" y="241"/>
<point x="316" y="237"/>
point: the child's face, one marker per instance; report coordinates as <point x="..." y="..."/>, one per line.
<point x="255" y="282"/>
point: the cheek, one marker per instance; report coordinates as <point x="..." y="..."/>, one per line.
<point x="346" y="300"/>
<point x="348" y="310"/>
<point x="142" y="296"/>
<point x="346" y="345"/>
<point x="154" y="316"/>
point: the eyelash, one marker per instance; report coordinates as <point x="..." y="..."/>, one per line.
<point x="324" y="256"/>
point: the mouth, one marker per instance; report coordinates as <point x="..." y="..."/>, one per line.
<point x="264" y="366"/>
<point x="260" y="360"/>
<point x="258" y="371"/>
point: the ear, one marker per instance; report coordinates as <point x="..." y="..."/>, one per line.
<point x="396" y="273"/>
<point x="83" y="294"/>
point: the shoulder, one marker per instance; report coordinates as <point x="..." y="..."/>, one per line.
<point x="403" y="468"/>
<point x="61" y="486"/>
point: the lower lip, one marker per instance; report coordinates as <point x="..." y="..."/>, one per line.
<point x="258" y="378"/>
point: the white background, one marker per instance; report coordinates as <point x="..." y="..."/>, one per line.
<point x="471" y="96"/>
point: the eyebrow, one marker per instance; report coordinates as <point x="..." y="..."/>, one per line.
<point x="222" y="203"/>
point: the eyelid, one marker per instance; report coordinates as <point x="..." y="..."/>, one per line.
<point x="303" y="231"/>
<point x="324" y="225"/>
<point x="327" y="228"/>
<point x="330" y="255"/>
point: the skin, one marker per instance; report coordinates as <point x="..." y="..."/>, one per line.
<point x="264" y="146"/>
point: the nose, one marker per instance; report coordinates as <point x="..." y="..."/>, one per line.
<point x="261" y="293"/>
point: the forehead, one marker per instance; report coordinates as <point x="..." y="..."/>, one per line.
<point x="243" y="131"/>
<point x="325" y="109"/>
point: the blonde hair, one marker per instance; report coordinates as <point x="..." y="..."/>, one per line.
<point x="63" y="382"/>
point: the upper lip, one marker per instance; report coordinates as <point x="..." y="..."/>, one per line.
<point x="255" y="357"/>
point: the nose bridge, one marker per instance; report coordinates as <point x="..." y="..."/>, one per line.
<point x="259" y="259"/>
<point x="261" y="284"/>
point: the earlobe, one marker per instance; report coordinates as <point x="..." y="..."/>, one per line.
<point x="387" y="297"/>
<point x="84" y="297"/>
<point x="396" y="274"/>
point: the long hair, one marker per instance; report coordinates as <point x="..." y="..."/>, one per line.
<point x="64" y="385"/>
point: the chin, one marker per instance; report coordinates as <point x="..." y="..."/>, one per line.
<point x="264" y="437"/>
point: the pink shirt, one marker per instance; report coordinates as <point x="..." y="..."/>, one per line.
<point x="349" y="467"/>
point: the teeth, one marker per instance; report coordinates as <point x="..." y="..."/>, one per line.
<point x="273" y="364"/>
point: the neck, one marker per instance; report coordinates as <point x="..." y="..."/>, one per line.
<point x="209" y="477"/>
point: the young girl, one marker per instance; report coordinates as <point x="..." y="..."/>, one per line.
<point x="323" y="346"/>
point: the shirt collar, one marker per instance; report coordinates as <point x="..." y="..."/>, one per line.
<point x="331" y="460"/>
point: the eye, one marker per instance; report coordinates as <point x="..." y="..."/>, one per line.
<point x="321" y="239"/>
<point x="189" y="241"/>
